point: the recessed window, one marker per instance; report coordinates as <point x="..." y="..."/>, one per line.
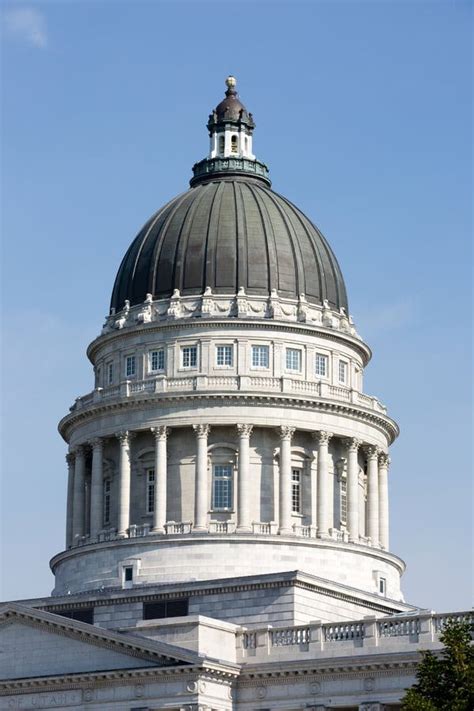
<point x="189" y="356"/>
<point x="233" y="144"/>
<point x="82" y="615"/>
<point x="343" y="500"/>
<point x="110" y="372"/>
<point x="342" y="372"/>
<point x="150" y="491"/>
<point x="222" y="486"/>
<point x="260" y="356"/>
<point x="129" y="366"/>
<point x="293" y="359"/>
<point x="221" y="145"/>
<point x="321" y="365"/>
<point x="296" y="491"/>
<point x="157" y="360"/>
<point x="165" y="608"/>
<point x="224" y="355"/>
<point x="382" y="586"/>
<point x="107" y="492"/>
<point x="128" y="574"/>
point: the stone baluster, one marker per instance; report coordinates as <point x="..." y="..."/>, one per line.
<point x="161" y="464"/>
<point x="124" y="484"/>
<point x="373" y="494"/>
<point x="78" y="516"/>
<point x="286" y="433"/>
<point x="353" y="489"/>
<point x="70" y="459"/>
<point x="243" y="503"/>
<point x="97" y="487"/>
<point x="384" y="462"/>
<point x="323" y="502"/>
<point x="201" y="496"/>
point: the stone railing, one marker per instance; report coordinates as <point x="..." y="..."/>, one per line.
<point x="240" y="383"/>
<point x="345" y="638"/>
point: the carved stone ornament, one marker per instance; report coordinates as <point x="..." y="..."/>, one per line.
<point x="371" y="452"/>
<point x="369" y="684"/>
<point x="353" y="444"/>
<point x="207" y="304"/>
<point x="202" y="430"/>
<point x="384" y="460"/>
<point x="242" y="303"/>
<point x="160" y="432"/>
<point x="70" y="458"/>
<point x="175" y="308"/>
<point x="286" y="432"/>
<point x="244" y="430"/>
<point x="261" y="692"/>
<point x="315" y="687"/>
<point x="323" y="437"/>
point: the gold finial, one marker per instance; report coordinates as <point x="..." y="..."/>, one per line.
<point x="231" y="82"/>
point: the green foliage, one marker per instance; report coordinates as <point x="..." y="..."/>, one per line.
<point x="445" y="681"/>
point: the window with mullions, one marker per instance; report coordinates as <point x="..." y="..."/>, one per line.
<point x="129" y="366"/>
<point x="150" y="490"/>
<point x="321" y="365"/>
<point x="222" y="486"/>
<point x="166" y="608"/>
<point x="233" y="144"/>
<point x="157" y="360"/>
<point x="343" y="500"/>
<point x="296" y="491"/>
<point x="342" y="372"/>
<point x="260" y="356"/>
<point x="107" y="493"/>
<point x="293" y="359"/>
<point x="224" y="355"/>
<point x="189" y="356"/>
<point x="110" y="373"/>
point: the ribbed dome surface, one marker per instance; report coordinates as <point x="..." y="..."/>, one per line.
<point x="225" y="234"/>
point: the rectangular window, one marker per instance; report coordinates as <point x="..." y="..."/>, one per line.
<point x="260" y="356"/>
<point x="342" y="372"/>
<point x="382" y="586"/>
<point x="128" y="573"/>
<point x="110" y="373"/>
<point x="107" y="488"/>
<point x="293" y="359"/>
<point x="321" y="365"/>
<point x="157" y="360"/>
<point x="82" y="615"/>
<point x="222" y="486"/>
<point x="296" y="490"/>
<point x="189" y="356"/>
<point x="224" y="355"/>
<point x="165" y="608"/>
<point x="150" y="490"/>
<point x="343" y="500"/>
<point x="129" y="366"/>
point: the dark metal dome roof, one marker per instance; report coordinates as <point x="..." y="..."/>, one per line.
<point x="227" y="233"/>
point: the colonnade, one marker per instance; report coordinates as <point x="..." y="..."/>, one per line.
<point x="377" y="520"/>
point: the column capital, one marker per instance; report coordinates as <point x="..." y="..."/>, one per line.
<point x="244" y="430"/>
<point x="125" y="436"/>
<point x="322" y="437"/>
<point x="353" y="444"/>
<point x="96" y="442"/>
<point x="202" y="431"/>
<point x="286" y="432"/>
<point x="160" y="432"/>
<point x="71" y="457"/>
<point x="79" y="450"/>
<point x="371" y="451"/>
<point x="384" y="459"/>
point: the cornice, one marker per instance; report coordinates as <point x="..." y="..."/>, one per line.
<point x="232" y="323"/>
<point x="384" y="423"/>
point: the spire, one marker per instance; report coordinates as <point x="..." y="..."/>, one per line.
<point x="230" y="128"/>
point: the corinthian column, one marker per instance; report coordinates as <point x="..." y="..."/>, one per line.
<point x="159" y="516"/>
<point x="286" y="433"/>
<point x="243" y="508"/>
<point x="70" y="459"/>
<point x="384" y="462"/>
<point x="97" y="487"/>
<point x="124" y="484"/>
<point x="373" y="494"/>
<point x="201" y="495"/>
<point x="79" y="494"/>
<point x="323" y="502"/>
<point x="353" y="489"/>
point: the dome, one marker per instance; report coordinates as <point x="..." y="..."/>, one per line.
<point x="227" y="233"/>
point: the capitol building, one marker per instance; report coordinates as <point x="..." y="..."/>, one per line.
<point x="227" y="533"/>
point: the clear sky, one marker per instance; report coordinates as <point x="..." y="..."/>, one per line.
<point x="363" y="113"/>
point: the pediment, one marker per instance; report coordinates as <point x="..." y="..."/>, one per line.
<point x="35" y="643"/>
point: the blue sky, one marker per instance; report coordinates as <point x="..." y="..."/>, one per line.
<point x="363" y="113"/>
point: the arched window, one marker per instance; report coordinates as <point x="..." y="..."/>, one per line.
<point x="223" y="461"/>
<point x="233" y="144"/>
<point x="221" y="145"/>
